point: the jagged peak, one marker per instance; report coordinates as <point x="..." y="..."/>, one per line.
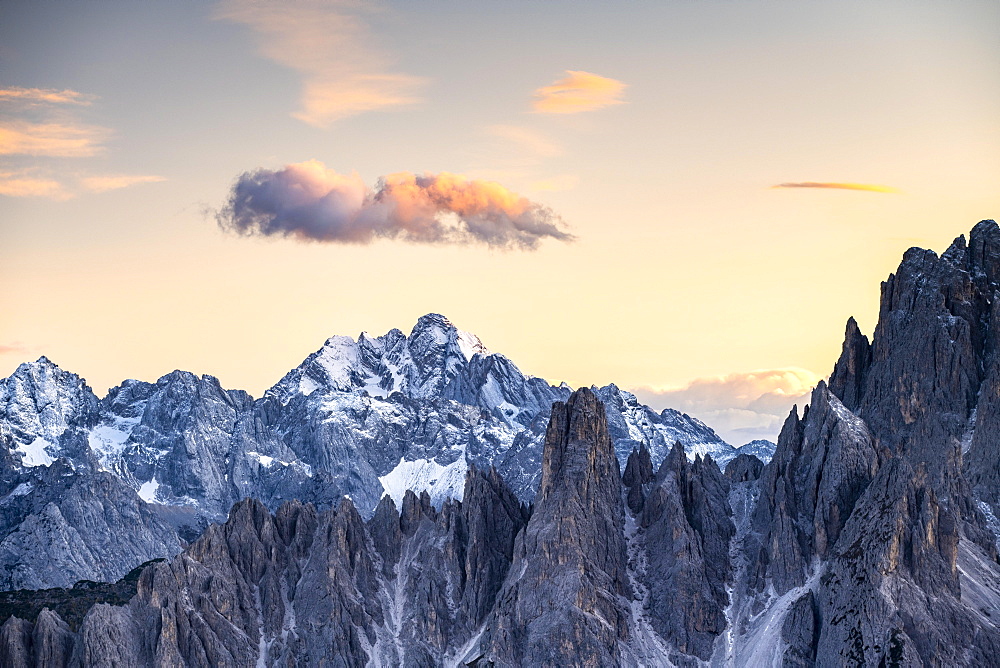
<point x="435" y="324"/>
<point x="42" y="364"/>
<point x="985" y="228"/>
<point x="187" y="377"/>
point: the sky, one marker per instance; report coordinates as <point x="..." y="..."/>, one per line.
<point x="687" y="199"/>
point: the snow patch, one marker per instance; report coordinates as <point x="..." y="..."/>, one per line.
<point x="470" y="345"/>
<point x="34" y="453"/>
<point x="108" y="440"/>
<point x="264" y="460"/>
<point x="147" y="492"/>
<point x="969" y="431"/>
<point x="991" y="521"/>
<point x="418" y="475"/>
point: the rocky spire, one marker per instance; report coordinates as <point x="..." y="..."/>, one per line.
<point x="565" y="600"/>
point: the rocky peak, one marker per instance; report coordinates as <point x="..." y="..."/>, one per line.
<point x="823" y="463"/>
<point x="744" y="468"/>
<point x="566" y="598"/>
<point x="40" y="401"/>
<point x="684" y="531"/>
<point x="851" y="370"/>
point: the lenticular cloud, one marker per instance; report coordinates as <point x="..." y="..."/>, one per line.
<point x="310" y="202"/>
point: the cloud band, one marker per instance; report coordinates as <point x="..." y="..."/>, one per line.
<point x="869" y="187"/>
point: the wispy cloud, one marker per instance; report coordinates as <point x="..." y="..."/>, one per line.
<point x="34" y="123"/>
<point x="741" y="407"/>
<point x="14" y="349"/>
<point x="36" y="183"/>
<point x="23" y="184"/>
<point x="60" y="140"/>
<point x="329" y="44"/>
<point x="579" y="91"/>
<point x="310" y="202"/>
<point x="44" y="96"/>
<point x="869" y="187"/>
<point x="100" y="184"/>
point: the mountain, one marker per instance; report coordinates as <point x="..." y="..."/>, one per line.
<point x="359" y="418"/>
<point x="482" y="581"/>
<point x="868" y="539"/>
<point x="761" y="449"/>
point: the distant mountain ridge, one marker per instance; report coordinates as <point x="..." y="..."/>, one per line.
<point x="358" y="417"/>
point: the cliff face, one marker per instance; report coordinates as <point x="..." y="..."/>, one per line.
<point x="566" y="600"/>
<point x="866" y="513"/>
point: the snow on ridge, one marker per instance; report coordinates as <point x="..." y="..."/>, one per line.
<point x="470" y="345"/>
<point x="439" y="481"/>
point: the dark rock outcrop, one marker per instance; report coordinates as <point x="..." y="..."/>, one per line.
<point x="685" y="529"/>
<point x="565" y="600"/>
<point x="744" y="468"/>
<point x="823" y="463"/>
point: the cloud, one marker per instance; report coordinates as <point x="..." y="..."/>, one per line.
<point x="22" y="184"/>
<point x="526" y="140"/>
<point x="869" y="187"/>
<point x="44" y="96"/>
<point x="50" y="139"/>
<point x="740" y="406"/>
<point x="14" y="349"/>
<point x="29" y="183"/>
<point x="329" y="45"/>
<point x="100" y="184"/>
<point x="310" y="202"/>
<point x="579" y="91"/>
<point x="34" y="125"/>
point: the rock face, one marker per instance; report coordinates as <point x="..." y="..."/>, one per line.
<point x="866" y="514"/>
<point x="482" y="581"/>
<point x="566" y="600"/>
<point x="60" y="526"/>
<point x="685" y="527"/>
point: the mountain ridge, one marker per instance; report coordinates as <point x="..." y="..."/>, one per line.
<point x="359" y="417"/>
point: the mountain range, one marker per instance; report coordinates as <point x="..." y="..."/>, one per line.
<point x="358" y="418"/>
<point x="869" y="538"/>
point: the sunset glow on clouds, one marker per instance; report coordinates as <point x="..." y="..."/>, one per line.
<point x="50" y="139"/>
<point x="869" y="187"/>
<point x="741" y="407"/>
<point x="578" y="91"/>
<point x="310" y="202"/>
<point x="21" y="184"/>
<point x="28" y="183"/>
<point x="328" y="46"/>
<point x="33" y="124"/>
<point x="44" y="95"/>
